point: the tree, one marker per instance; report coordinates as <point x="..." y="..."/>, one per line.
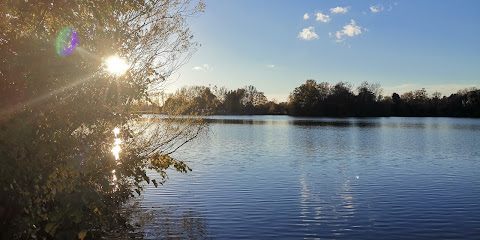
<point x="312" y="99"/>
<point x="408" y="97"/>
<point x="233" y="101"/>
<point x="340" y="100"/>
<point x="252" y="97"/>
<point x="304" y="99"/>
<point x="368" y="92"/>
<point x="221" y="93"/>
<point x="397" y="105"/>
<point x="437" y="95"/>
<point x="473" y="102"/>
<point x="324" y="90"/>
<point x="58" y="107"/>
<point x="192" y="100"/>
<point x="368" y="95"/>
<point x="421" y="95"/>
<point x="253" y="100"/>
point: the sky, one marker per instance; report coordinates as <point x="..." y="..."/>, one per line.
<point x="276" y="45"/>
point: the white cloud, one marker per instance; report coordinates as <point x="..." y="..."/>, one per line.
<point x="270" y="65"/>
<point x="376" y="8"/>
<point x="308" y="34"/>
<point x="337" y="10"/>
<point x="390" y="7"/>
<point x="204" y="68"/>
<point x="323" y="17"/>
<point x="348" y="30"/>
<point x="306" y="16"/>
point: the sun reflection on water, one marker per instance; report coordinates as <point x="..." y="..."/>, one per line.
<point x="116" y="151"/>
<point x="116" y="131"/>
<point x="116" y="145"/>
<point x="114" y="176"/>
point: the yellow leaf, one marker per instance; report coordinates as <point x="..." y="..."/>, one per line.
<point x="82" y="234"/>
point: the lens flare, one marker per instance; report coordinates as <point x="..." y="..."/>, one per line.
<point x="66" y="41"/>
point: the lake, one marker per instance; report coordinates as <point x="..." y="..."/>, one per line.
<point x="280" y="177"/>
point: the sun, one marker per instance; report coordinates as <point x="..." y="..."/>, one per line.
<point x="116" y="65"/>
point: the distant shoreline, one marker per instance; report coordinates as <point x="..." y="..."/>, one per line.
<point x="298" y="116"/>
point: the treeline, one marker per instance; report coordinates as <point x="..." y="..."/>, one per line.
<point x="341" y="100"/>
<point x="319" y="99"/>
<point x="219" y="101"/>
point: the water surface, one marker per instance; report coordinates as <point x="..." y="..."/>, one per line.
<point x="270" y="177"/>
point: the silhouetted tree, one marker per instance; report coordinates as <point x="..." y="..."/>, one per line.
<point x="366" y="100"/>
<point x="473" y="103"/>
<point x="311" y="98"/>
<point x="397" y="103"/>
<point x="305" y="99"/>
<point x="233" y="104"/>
<point x="340" y="101"/>
<point x="323" y="99"/>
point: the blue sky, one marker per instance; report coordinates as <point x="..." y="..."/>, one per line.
<point x="272" y="45"/>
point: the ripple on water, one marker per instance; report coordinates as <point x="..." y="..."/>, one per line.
<point x="380" y="178"/>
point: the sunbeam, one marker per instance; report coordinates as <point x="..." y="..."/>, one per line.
<point x="40" y="99"/>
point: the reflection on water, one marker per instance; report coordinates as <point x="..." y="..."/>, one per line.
<point x="165" y="222"/>
<point x="171" y="223"/>
<point x="277" y="177"/>
<point x="420" y="123"/>
<point x="116" y="145"/>
<point x="116" y="152"/>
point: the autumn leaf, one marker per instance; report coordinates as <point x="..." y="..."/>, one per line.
<point x="82" y="234"/>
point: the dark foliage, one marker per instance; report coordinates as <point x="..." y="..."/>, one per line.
<point x="243" y="101"/>
<point x="325" y="100"/>
<point x="312" y="99"/>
